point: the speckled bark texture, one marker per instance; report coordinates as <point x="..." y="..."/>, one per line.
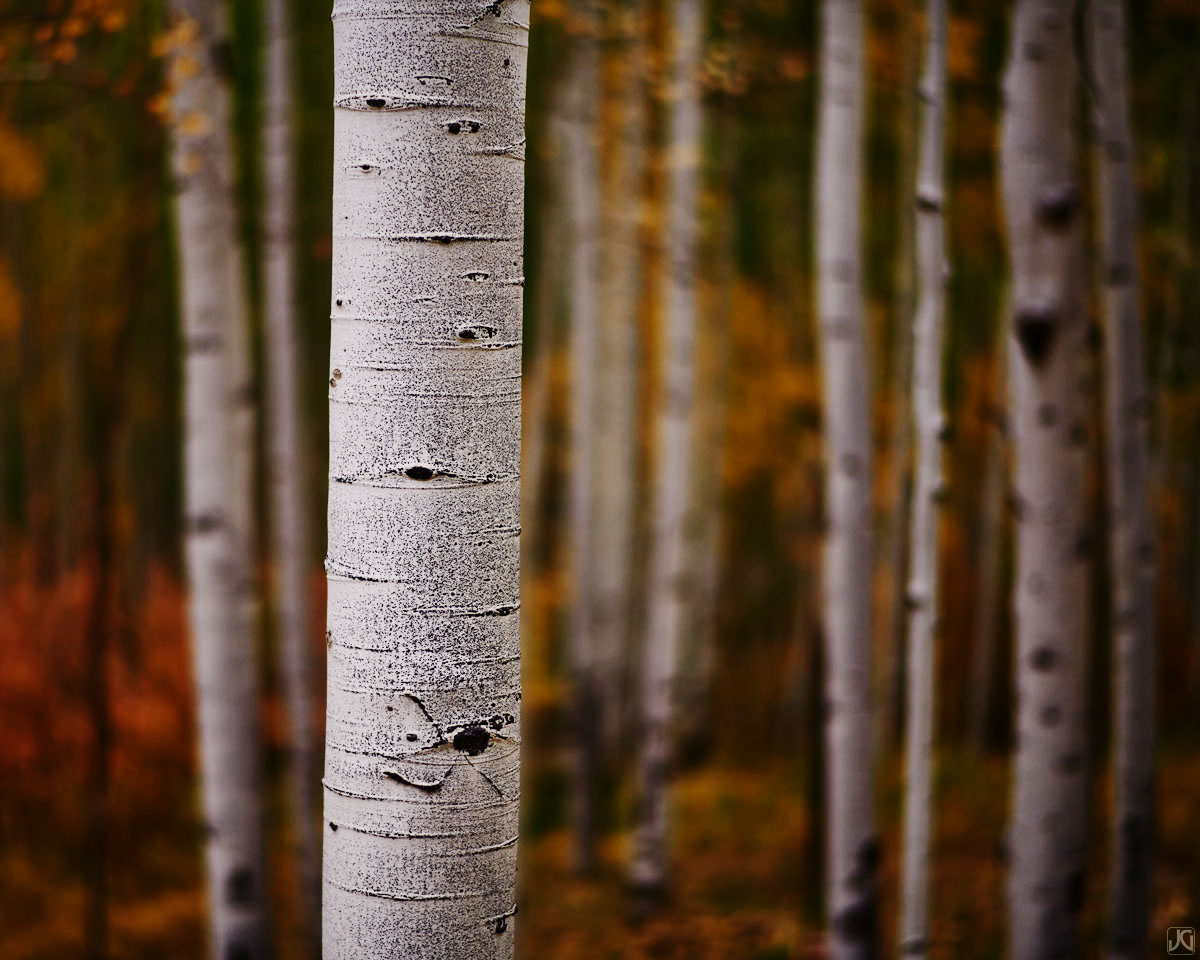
<point x="423" y="723"/>
<point x="214" y="474"/>
<point x="928" y="421"/>
<point x="286" y="462"/>
<point x="1048" y="391"/>
<point x="669" y="507"/>
<point x="1131" y="530"/>
<point x="852" y="860"/>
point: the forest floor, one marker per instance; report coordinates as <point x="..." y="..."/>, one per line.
<point x="743" y="880"/>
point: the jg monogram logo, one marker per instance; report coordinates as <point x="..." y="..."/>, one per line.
<point x="1181" y="941"/>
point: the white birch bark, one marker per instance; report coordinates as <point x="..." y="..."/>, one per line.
<point x="583" y="224"/>
<point x="1049" y="410"/>
<point x="423" y="728"/>
<point x="928" y="422"/>
<point x="853" y="849"/>
<point x="214" y="474"/>
<point x="669" y="505"/>
<point x="286" y="460"/>
<point x="616" y="368"/>
<point x="1131" y="540"/>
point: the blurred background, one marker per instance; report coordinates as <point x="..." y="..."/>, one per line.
<point x="96" y="715"/>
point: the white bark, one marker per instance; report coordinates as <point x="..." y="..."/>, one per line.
<point x="616" y="369"/>
<point x="1131" y="541"/>
<point x="215" y="480"/>
<point x="928" y="420"/>
<point x="1048" y="400"/>
<point x="669" y="507"/>
<point x="423" y="728"/>
<point x="583" y="223"/>
<point x="853" y="849"/>
<point x="286" y="460"/>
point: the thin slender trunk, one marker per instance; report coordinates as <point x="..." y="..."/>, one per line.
<point x="616" y="401"/>
<point x="893" y="545"/>
<point x="216" y="516"/>
<point x="853" y="852"/>
<point x="287" y="460"/>
<point x="1048" y="399"/>
<point x="928" y="419"/>
<point x="423" y="718"/>
<point x="992" y="542"/>
<point x="583" y="193"/>
<point x="667" y="598"/>
<point x="1131" y="545"/>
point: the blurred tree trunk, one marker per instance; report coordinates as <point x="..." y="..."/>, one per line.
<point x="1131" y="545"/>
<point x="892" y="545"/>
<point x="215" y="478"/>
<point x="1049" y="402"/>
<point x="423" y="729"/>
<point x="617" y="335"/>
<point x="853" y="857"/>
<point x="703" y="620"/>
<point x="581" y="134"/>
<point x="929" y="421"/>
<point x="667" y="600"/>
<point x="287" y="459"/>
<point x="993" y="545"/>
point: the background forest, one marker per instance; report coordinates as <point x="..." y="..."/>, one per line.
<point x="100" y="831"/>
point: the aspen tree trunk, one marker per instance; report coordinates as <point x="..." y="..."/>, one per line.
<point x="1131" y="541"/>
<point x="616" y="401"/>
<point x="1048" y="401"/>
<point x="928" y="420"/>
<point x="992" y="540"/>
<point x="423" y="729"/>
<point x="223" y="653"/>
<point x="583" y="216"/>
<point x="853" y="857"/>
<point x="669" y="508"/>
<point x="286" y="458"/>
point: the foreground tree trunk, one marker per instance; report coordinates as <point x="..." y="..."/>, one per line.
<point x="853" y="851"/>
<point x="1131" y="542"/>
<point x="214" y="468"/>
<point x="928" y="420"/>
<point x="1047" y="397"/>
<point x="423" y="729"/>
<point x="286" y="459"/>
<point x="669" y="509"/>
<point x="583" y="224"/>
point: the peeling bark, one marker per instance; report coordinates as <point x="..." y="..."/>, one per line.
<point x="928" y="419"/>
<point x="216" y="481"/>
<point x="669" y="507"/>
<point x="1048" y="398"/>
<point x="853" y="850"/>
<point x="423" y="717"/>
<point x="1131" y="540"/>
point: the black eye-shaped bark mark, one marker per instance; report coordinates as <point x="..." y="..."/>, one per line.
<point x="239" y="887"/>
<point x="418" y="472"/>
<point x="1056" y="205"/>
<point x="431" y="81"/>
<point x="477" y="276"/>
<point x="1043" y="659"/>
<point x="471" y="740"/>
<point x="376" y="103"/>
<point x="433" y="783"/>
<point x="363" y="169"/>
<point x="1036" y="326"/>
<point x="477" y="332"/>
<point x="463" y="126"/>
